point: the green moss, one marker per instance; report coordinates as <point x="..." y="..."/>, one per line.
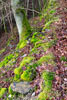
<point x="1" y="51"/>
<point x="11" y="62"/>
<point x="34" y="50"/>
<point x="35" y="37"/>
<point x="6" y="60"/>
<point x="52" y="11"/>
<point x="42" y="96"/>
<point x="28" y="75"/>
<point x="21" y="44"/>
<point x="48" y="23"/>
<point x="26" y="29"/>
<point x="48" y="77"/>
<point x="44" y="46"/>
<point x="47" y="59"/>
<point x="17" y="77"/>
<point x="49" y="13"/>
<point x="34" y="40"/>
<point x="34" y="65"/>
<point x="63" y="58"/>
<point x="2" y="92"/>
<point x="10" y="90"/>
<point x="18" y="70"/>
<point x="39" y="43"/>
<point x="26" y="60"/>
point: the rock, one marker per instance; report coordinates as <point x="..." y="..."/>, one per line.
<point x="21" y="87"/>
<point x="33" y="94"/>
<point x="24" y="55"/>
<point x="29" y="97"/>
<point x="26" y="98"/>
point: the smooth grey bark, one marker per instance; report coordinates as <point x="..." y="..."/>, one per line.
<point x="23" y="26"/>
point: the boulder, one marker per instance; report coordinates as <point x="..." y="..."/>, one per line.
<point x="21" y="87"/>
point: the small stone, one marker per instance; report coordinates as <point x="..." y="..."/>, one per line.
<point x="65" y="79"/>
<point x="21" y="87"/>
<point x="33" y="94"/>
<point x="10" y="96"/>
<point x="24" y="55"/>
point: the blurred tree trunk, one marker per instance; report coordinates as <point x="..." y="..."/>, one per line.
<point x="21" y="19"/>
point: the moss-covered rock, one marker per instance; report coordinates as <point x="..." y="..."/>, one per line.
<point x="28" y="75"/>
<point x="18" y="70"/>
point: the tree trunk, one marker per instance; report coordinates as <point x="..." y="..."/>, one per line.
<point x="21" y="19"/>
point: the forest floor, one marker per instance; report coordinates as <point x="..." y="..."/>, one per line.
<point x="50" y="45"/>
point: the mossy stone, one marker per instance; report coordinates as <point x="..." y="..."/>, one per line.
<point x="18" y="70"/>
<point x="28" y="75"/>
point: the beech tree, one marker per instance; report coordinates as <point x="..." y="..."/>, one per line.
<point x="22" y="23"/>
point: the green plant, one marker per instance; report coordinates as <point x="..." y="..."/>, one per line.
<point x="18" y="71"/>
<point x="17" y="77"/>
<point x="63" y="58"/>
<point x="2" y="92"/>
<point x="28" y="75"/>
<point x="10" y="90"/>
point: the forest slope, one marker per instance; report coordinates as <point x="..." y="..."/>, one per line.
<point x="41" y="60"/>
